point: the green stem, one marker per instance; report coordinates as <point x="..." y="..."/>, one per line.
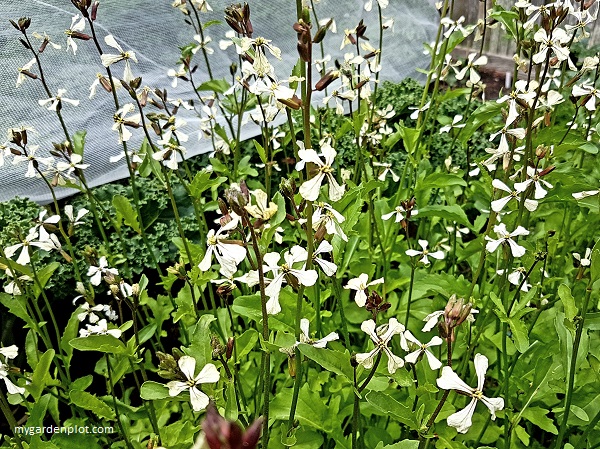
<point x="12" y="422"/>
<point x="572" y="368"/>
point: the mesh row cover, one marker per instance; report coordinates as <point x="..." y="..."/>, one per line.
<point x="155" y="34"/>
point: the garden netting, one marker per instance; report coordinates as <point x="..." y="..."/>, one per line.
<point x="155" y="31"/>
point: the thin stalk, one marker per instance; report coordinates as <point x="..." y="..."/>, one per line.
<point x="570" y="384"/>
<point x="12" y="422"/>
<point x="114" y="398"/>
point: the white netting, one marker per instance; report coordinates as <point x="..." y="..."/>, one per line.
<point x="154" y="31"/>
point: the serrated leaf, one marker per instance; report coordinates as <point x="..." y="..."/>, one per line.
<point x="537" y="416"/>
<point x="564" y="293"/>
<point x="202" y="182"/>
<point x="126" y="213"/>
<point x="519" y="333"/>
<point x="41" y="375"/>
<point x="90" y="402"/>
<point x="78" y="140"/>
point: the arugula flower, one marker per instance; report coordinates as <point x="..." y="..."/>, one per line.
<point x="449" y="380"/>
<point x="360" y="284"/>
<point x="208" y="374"/>
<point x="381" y="336"/>
<point x="310" y="189"/>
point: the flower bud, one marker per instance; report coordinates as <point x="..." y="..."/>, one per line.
<point x="230" y="346"/>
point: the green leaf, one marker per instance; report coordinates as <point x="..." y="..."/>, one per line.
<point x="44" y="276"/>
<point x="101" y="343"/>
<point x="404" y="444"/>
<point x="452" y="213"/>
<point x="78" y="140"/>
<point x="200" y="347"/>
<point x="246" y="342"/>
<point x="261" y="151"/>
<point x="568" y="301"/>
<point x="202" y="182"/>
<point x="220" y="86"/>
<point x="537" y="416"/>
<point x="580" y="413"/>
<point x="410" y="137"/>
<point x="126" y="213"/>
<point x="69" y="334"/>
<point x="17" y="306"/>
<point x="41" y="375"/>
<point x="90" y="402"/>
<point x="519" y="333"/>
<point x="231" y="408"/>
<point x="153" y="390"/>
<point x="483" y="114"/>
<point x="439" y="180"/>
<point x="310" y="411"/>
<point x="595" y="266"/>
<point x="334" y="361"/>
<point x="390" y="407"/>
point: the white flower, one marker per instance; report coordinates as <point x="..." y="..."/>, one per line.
<point x="208" y="374"/>
<point x="516" y="277"/>
<point x="31" y="159"/>
<point x="450" y="381"/>
<point x="382" y="4"/>
<point x="329" y="268"/>
<point x="439" y="255"/>
<point x="57" y="101"/>
<point x="12" y="288"/>
<point x="169" y="155"/>
<point x="586" y="260"/>
<point x="431" y="320"/>
<point x="499" y="204"/>
<point x="387" y="168"/>
<point x="24" y="245"/>
<point x="263" y="209"/>
<point x="470" y="67"/>
<point x="67" y="168"/>
<point x="434" y="363"/>
<point x="110" y="59"/>
<point x="77" y="26"/>
<point x="585" y="194"/>
<point x="310" y="189"/>
<point x="23" y="71"/>
<point x="305" y="336"/>
<point x="400" y="212"/>
<point x="417" y="111"/>
<point x="305" y="277"/>
<point x="552" y="42"/>
<point x="96" y="273"/>
<point x="381" y="337"/>
<point x="122" y="121"/>
<point x="360" y="284"/>
<point x="88" y="312"/>
<point x="326" y="215"/>
<point x="9" y="352"/>
<point x="227" y="253"/>
<point x="533" y="176"/>
<point x="75" y="220"/>
<point x="589" y="92"/>
<point x="455" y="124"/>
<point x="100" y="329"/>
<point x="506" y="237"/>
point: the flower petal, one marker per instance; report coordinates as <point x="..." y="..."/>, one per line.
<point x="462" y="420"/>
